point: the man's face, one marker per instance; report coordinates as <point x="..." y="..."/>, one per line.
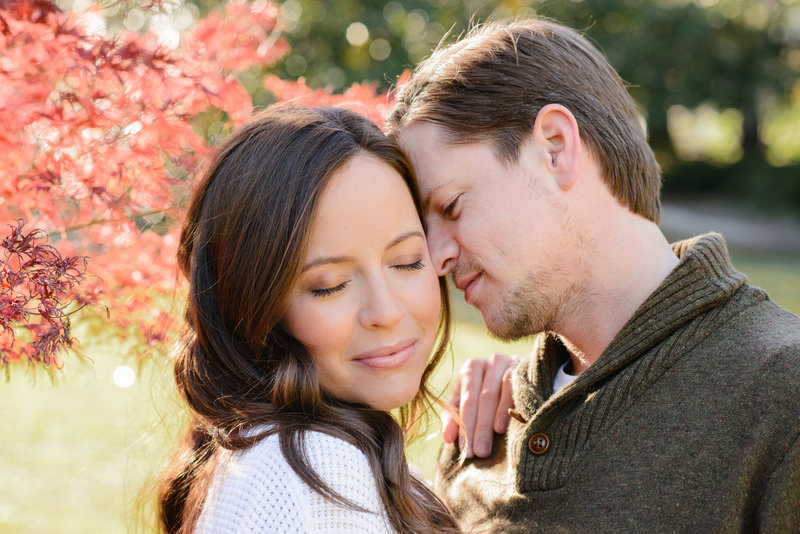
<point x="501" y="229"/>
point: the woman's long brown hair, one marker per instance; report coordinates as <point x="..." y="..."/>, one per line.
<point x="241" y="249"/>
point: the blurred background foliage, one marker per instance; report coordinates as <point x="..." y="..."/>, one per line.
<point x="717" y="84"/>
<point x="716" y="80"/>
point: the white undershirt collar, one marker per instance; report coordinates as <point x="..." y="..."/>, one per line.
<point x="562" y="378"/>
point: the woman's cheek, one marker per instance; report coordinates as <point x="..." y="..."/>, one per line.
<point x="320" y="327"/>
<point x="429" y="299"/>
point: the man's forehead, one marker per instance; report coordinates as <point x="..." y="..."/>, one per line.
<point x="427" y="147"/>
<point x="430" y="150"/>
<point x="433" y="143"/>
<point x="421" y="137"/>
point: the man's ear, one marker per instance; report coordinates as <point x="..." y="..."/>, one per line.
<point x="556" y="132"/>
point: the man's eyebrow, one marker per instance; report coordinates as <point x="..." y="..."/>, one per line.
<point x="343" y="259"/>
<point x="426" y="201"/>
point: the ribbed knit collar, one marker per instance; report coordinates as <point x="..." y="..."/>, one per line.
<point x="703" y="279"/>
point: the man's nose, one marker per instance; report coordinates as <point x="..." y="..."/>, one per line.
<point x="443" y="249"/>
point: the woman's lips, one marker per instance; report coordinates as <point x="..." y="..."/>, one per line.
<point x="388" y="357"/>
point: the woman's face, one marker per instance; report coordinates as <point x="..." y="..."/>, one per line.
<point x="367" y="302"/>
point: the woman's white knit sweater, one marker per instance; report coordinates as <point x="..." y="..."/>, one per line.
<point x="255" y="490"/>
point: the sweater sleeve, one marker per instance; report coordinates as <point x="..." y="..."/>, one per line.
<point x="780" y="504"/>
<point x="257" y="491"/>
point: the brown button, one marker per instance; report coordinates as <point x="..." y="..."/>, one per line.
<point x="539" y="444"/>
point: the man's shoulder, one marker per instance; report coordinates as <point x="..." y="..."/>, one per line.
<point x="751" y="316"/>
<point x="757" y="348"/>
<point x="771" y="327"/>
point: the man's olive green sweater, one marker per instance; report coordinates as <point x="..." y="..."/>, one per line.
<point x="688" y="422"/>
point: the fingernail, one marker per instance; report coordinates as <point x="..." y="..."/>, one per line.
<point x="483" y="447"/>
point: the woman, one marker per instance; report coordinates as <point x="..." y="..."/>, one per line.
<point x="313" y="310"/>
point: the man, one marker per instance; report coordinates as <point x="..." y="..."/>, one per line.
<point x="661" y="395"/>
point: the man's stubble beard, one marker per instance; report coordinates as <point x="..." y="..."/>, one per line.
<point x="532" y="306"/>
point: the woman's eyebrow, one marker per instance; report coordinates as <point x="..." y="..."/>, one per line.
<point x="402" y="237"/>
<point x="324" y="260"/>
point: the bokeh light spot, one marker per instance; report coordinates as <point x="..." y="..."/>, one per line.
<point x="124" y="376"/>
<point x="357" y="34"/>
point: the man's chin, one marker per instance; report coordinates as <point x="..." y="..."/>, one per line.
<point x="500" y="329"/>
<point x="509" y="329"/>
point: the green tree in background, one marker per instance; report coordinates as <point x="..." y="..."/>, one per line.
<point x="735" y="63"/>
<point x="717" y="80"/>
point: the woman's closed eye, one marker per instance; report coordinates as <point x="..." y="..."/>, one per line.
<point x="322" y="289"/>
<point x="328" y="291"/>
<point x="415" y="266"/>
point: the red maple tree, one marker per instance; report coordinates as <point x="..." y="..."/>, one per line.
<point x="97" y="153"/>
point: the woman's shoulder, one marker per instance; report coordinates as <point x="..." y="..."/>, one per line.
<point x="254" y="490"/>
<point x="326" y="454"/>
<point x="332" y="455"/>
<point x="258" y="488"/>
<point x="342" y="466"/>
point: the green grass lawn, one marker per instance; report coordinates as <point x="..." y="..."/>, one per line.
<point x="779" y="274"/>
<point x="77" y="452"/>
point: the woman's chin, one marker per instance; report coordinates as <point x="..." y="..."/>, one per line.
<point x="387" y="404"/>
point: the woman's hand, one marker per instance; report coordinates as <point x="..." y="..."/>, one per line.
<point x="481" y="397"/>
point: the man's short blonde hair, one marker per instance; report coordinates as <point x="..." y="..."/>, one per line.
<point x="490" y="86"/>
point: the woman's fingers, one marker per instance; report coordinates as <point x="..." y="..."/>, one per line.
<point x="501" y="417"/>
<point x="450" y="428"/>
<point x="481" y="397"/>
<point x="472" y="376"/>
<point x="489" y="403"/>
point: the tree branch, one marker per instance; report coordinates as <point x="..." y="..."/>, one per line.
<point x="110" y="221"/>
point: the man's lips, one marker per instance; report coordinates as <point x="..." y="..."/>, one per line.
<point x="388" y="357"/>
<point x="464" y="283"/>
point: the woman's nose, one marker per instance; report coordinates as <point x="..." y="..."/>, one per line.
<point x="383" y="307"/>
